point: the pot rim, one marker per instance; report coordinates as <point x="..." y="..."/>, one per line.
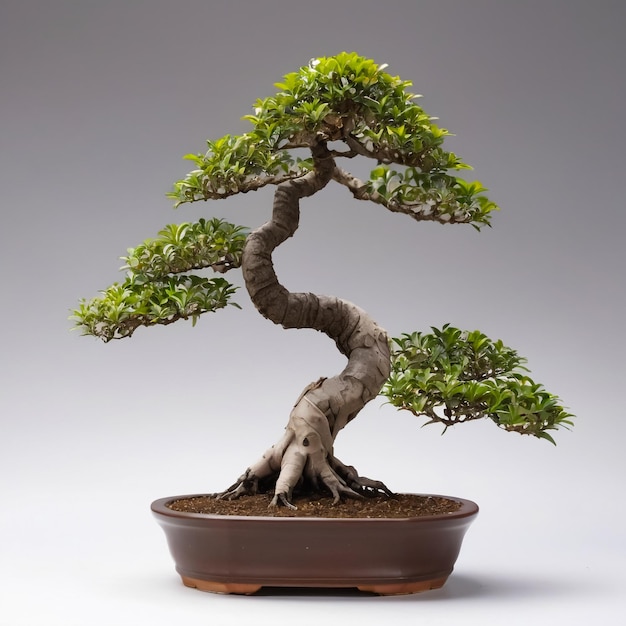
<point x="159" y="508"/>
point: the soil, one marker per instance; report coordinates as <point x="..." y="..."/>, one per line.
<point x="398" y="506"/>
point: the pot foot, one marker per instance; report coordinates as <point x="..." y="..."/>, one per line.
<point x="397" y="589"/>
<point x="216" y="587"/>
<point x="381" y="589"/>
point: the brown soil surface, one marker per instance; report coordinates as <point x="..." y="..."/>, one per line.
<point x="399" y="506"/>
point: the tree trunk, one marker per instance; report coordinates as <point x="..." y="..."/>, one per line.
<point x="326" y="406"/>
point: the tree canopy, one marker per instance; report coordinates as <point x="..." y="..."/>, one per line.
<point x="354" y="108"/>
<point x="346" y="100"/>
<point x="352" y="101"/>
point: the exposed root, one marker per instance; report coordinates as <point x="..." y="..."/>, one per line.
<point x="359" y="484"/>
<point x="303" y="455"/>
<point x="281" y="497"/>
<point x="245" y="485"/>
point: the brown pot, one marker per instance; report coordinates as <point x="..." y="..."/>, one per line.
<point x="240" y="554"/>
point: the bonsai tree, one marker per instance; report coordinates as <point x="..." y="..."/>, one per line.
<point x="337" y="109"/>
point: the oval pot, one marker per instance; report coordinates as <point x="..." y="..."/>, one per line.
<point x="241" y="554"/>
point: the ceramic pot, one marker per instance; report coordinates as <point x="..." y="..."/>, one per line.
<point x="240" y="554"/>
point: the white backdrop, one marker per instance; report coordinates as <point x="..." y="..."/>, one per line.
<point x="99" y="102"/>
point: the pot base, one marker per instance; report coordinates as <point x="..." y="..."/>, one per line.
<point x="382" y="589"/>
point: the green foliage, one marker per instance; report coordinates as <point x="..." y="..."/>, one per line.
<point x="431" y="196"/>
<point x="155" y="292"/>
<point x="349" y="99"/>
<point x="124" y="307"/>
<point x="183" y="247"/>
<point x="453" y="376"/>
<point x="235" y="164"/>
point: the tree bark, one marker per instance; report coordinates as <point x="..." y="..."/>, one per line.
<point x="327" y="405"/>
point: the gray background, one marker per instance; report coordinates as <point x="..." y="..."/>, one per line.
<point x="100" y="100"/>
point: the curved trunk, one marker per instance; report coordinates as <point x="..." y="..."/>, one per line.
<point x="326" y="406"/>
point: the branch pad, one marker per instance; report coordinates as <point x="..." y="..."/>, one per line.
<point x="453" y="376"/>
<point x="157" y="288"/>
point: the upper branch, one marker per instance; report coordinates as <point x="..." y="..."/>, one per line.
<point x="349" y="99"/>
<point x="445" y="199"/>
